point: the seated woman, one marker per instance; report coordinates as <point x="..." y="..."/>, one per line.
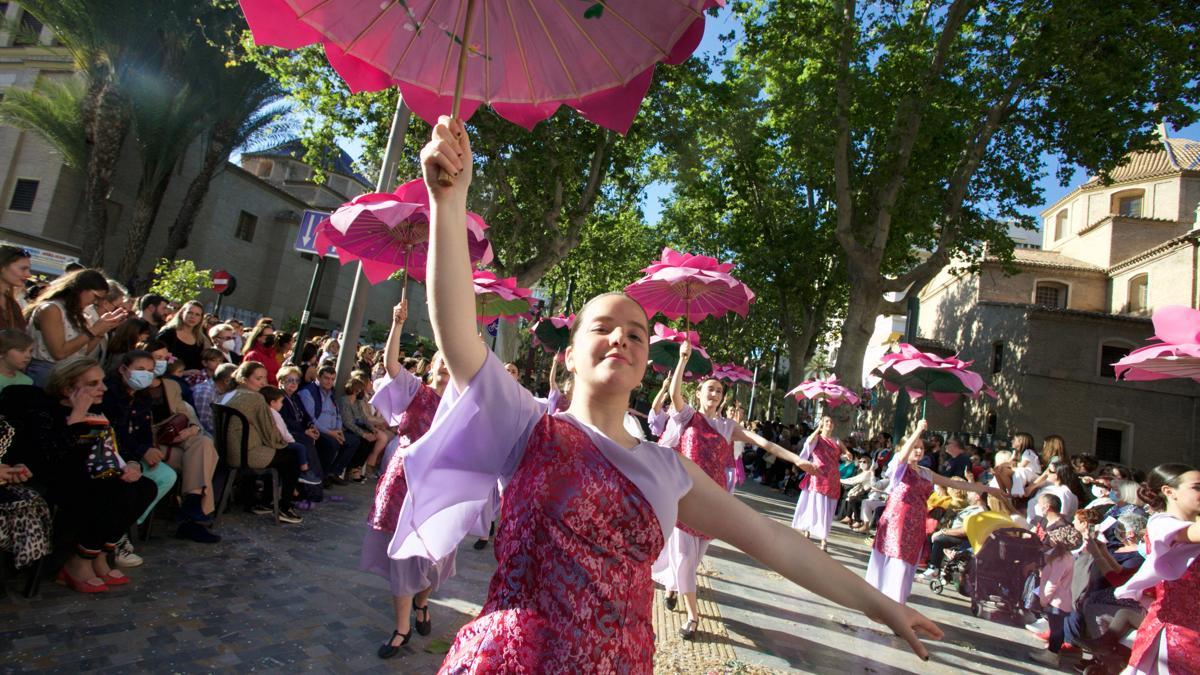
<point x="175" y="438"/>
<point x="267" y="448"/>
<point x="73" y="451"/>
<point x="299" y="423"/>
<point x="24" y="517"/>
<point x="352" y="409"/>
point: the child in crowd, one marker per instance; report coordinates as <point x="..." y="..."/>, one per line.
<point x="1058" y="572"/>
<point x="16" y="351"/>
<point x="274" y="396"/>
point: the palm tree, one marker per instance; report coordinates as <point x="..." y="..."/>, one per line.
<point x="52" y="110"/>
<point x="245" y="111"/>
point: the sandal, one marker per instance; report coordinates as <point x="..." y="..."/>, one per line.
<point x="688" y="630"/>
<point x="387" y="650"/>
<point x="423" y="627"/>
<point x="65" y="579"/>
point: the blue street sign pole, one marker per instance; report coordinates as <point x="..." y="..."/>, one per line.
<point x="306" y="243"/>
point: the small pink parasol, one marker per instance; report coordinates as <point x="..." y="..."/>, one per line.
<point x="389" y="232"/>
<point x="731" y="372"/>
<point x="524" y="59"/>
<point x="925" y="375"/>
<point x="499" y="297"/>
<point x="664" y="351"/>
<point x="553" y="333"/>
<point x="1177" y="353"/>
<point x="825" y="389"/>
<point x="691" y="286"/>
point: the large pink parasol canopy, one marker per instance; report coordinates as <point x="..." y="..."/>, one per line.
<point x="923" y="374"/>
<point x="1177" y="330"/>
<point x="497" y="297"/>
<point x="524" y="59"/>
<point x="732" y="372"/>
<point x="389" y="232"/>
<point x="692" y="286"/>
<point x="825" y="389"/>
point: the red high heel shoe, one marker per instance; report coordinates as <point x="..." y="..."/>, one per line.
<point x="78" y="586"/>
<point x="111" y="580"/>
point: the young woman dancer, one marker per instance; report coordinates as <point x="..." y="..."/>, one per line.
<point x="901" y="533"/>
<point x="408" y="405"/>
<point x="821" y="487"/>
<point x="704" y="437"/>
<point x="657" y="419"/>
<point x="587" y="507"/>
<point x="1168" y="641"/>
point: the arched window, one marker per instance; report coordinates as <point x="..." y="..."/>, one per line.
<point x="1060" y="225"/>
<point x="1139" y="293"/>
<point x="1127" y="203"/>
<point x="1050" y="294"/>
<point x="1114" y="440"/>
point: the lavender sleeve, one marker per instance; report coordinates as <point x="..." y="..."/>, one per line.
<point x="675" y="425"/>
<point x="393" y="394"/>
<point x="477" y="438"/>
<point x="658" y="422"/>
<point x="1169" y="559"/>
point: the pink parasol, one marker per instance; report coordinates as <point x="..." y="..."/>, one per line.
<point x="499" y="298"/>
<point x="922" y="374"/>
<point x="524" y="59"/>
<point x="389" y="232"/>
<point x="691" y="286"/>
<point x="825" y="389"/>
<point x="1177" y="330"/>
<point x="664" y="351"/>
<point x="553" y="333"/>
<point x="732" y="372"/>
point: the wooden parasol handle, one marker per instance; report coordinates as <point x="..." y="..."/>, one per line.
<point x="445" y="178"/>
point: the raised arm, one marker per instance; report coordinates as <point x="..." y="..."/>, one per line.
<point x="554" y="373"/>
<point x="451" y="297"/>
<point x="677" y="400"/>
<point x="391" y="353"/>
<point x="719" y="514"/>
<point x="906" y="450"/>
<point x="663" y="392"/>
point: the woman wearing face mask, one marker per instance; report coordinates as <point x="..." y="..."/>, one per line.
<point x="184" y="337"/>
<point x="59" y="327"/>
<point x="14" y="272"/>
<point x="262" y="348"/>
<point x="222" y="336"/>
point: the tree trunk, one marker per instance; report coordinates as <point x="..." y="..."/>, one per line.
<point x="508" y="341"/>
<point x="106" y="119"/>
<point x="145" y="211"/>
<point x="214" y="158"/>
<point x="861" y="312"/>
<point x="799" y="352"/>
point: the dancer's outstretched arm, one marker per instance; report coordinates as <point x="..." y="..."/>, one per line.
<point x="451" y="297"/>
<point x="715" y="512"/>
<point x="677" y="400"/>
<point x="391" y="352"/>
<point x="740" y="433"/>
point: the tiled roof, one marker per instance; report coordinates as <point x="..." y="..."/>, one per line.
<point x="1036" y="257"/>
<point x="1176" y="155"/>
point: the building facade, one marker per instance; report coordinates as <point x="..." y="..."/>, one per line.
<point x="1046" y="337"/>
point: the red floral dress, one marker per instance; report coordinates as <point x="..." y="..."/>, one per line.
<point x="393" y="486"/>
<point x="572" y="592"/>
<point x="826" y="481"/>
<point x="901" y="532"/>
<point x="705" y="446"/>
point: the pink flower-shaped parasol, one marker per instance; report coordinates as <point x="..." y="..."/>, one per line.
<point x="923" y="374"/>
<point x="664" y="351"/>
<point x="1177" y="330"/>
<point x="825" y="389"/>
<point x="732" y="372"/>
<point x="691" y="286"/>
<point x="389" y="232"/>
<point x="524" y="59"/>
<point x="553" y="333"/>
<point x="499" y="297"/>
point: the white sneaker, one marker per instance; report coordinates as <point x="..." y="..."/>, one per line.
<point x="124" y="554"/>
<point x="1039" y="626"/>
<point x="929" y="573"/>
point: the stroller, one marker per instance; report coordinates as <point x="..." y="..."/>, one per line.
<point x="996" y="576"/>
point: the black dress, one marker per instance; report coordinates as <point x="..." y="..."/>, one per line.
<point x="189" y="354"/>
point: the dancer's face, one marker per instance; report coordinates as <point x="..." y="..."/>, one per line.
<point x="710" y="393"/>
<point x="610" y="346"/>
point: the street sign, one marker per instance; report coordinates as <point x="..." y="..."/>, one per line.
<point x="306" y="238"/>
<point x="493" y="327"/>
<point x="223" y="282"/>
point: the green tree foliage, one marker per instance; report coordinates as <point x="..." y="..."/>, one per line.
<point x="53" y="110"/>
<point x="930" y="119"/>
<point x="179" y="280"/>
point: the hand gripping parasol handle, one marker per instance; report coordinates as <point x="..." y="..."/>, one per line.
<point x="446" y="179"/>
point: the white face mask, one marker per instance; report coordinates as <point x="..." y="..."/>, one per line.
<point x="229" y="345"/>
<point x="139" y="379"/>
<point x="160" y="367"/>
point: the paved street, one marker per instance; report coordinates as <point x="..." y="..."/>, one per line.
<point x="290" y="598"/>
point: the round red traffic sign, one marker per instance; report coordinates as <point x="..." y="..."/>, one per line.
<point x="223" y="282"/>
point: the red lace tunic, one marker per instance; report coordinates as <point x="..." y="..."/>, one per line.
<point x="901" y="532"/>
<point x="572" y="592"/>
<point x="705" y="446"/>
<point x="393" y="486"/>
<point x="1176" y="566"/>
<point x="826" y="481"/>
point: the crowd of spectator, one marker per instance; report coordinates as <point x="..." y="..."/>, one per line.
<point x="111" y="405"/>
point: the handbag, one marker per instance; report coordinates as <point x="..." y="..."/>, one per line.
<point x="103" y="460"/>
<point x="168" y="431"/>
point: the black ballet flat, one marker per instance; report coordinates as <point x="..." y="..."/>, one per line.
<point x="387" y="650"/>
<point x="671" y="600"/>
<point x="688" y="630"/>
<point x="423" y="627"/>
<point x="480" y="544"/>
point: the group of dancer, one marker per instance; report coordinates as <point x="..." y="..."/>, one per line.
<point x="592" y="514"/>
